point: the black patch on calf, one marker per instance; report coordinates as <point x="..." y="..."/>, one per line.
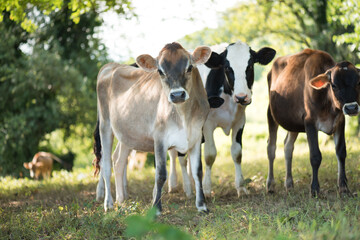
<point x="238" y="137"/>
<point x="264" y="55"/>
<point x="249" y="72"/>
<point x="97" y="149"/>
<point x="216" y="78"/>
<point x="215" y="61"/>
<point x="134" y="65"/>
<point x="181" y="154"/>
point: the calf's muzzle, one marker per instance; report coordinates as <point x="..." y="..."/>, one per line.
<point x="351" y="109"/>
<point x="178" y="96"/>
<point x="242" y="99"/>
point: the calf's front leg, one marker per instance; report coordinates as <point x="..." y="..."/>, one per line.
<point x="236" y="153"/>
<point x="340" y="145"/>
<point x="160" y="173"/>
<point x="197" y="172"/>
<point x="315" y="156"/>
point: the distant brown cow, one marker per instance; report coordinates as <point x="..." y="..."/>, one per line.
<point x="309" y="92"/>
<point x="41" y="165"/>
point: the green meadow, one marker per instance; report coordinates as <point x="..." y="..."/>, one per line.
<point x="64" y="206"/>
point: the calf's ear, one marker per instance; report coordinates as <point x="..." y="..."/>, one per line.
<point x="201" y="55"/>
<point x="215" y="61"/>
<point x="264" y="55"/>
<point x="26" y="165"/>
<point x="321" y="81"/>
<point x="146" y="62"/>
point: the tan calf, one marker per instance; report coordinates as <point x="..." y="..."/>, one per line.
<point x="41" y="165"/>
<point x="160" y="106"/>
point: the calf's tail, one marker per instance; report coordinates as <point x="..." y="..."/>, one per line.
<point x="97" y="149"/>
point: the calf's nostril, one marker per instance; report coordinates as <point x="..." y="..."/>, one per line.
<point x="178" y="96"/>
<point x="241" y="99"/>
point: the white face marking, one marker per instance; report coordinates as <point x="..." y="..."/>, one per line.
<point x="160" y="68"/>
<point x="238" y="55"/>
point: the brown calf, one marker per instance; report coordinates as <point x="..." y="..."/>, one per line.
<point x="41" y="165"/>
<point x="310" y="92"/>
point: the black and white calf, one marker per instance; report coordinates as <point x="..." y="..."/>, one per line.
<point x="236" y="76"/>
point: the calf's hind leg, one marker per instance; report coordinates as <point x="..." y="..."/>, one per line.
<point x="120" y="159"/>
<point x="100" y="188"/>
<point x="271" y="148"/>
<point x="106" y="137"/>
<point x="172" y="181"/>
<point x="185" y="175"/>
<point x="288" y="149"/>
<point x="210" y="155"/>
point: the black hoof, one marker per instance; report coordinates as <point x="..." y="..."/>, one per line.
<point x="315" y="193"/>
<point x="204" y="212"/>
<point x="345" y="192"/>
<point x="215" y="101"/>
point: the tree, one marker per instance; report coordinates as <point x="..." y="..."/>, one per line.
<point x="319" y="24"/>
<point x="53" y="87"/>
<point x="20" y="11"/>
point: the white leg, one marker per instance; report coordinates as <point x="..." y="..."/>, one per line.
<point x="132" y="160"/>
<point x="105" y="163"/>
<point x="196" y="168"/>
<point x="125" y="183"/>
<point x="210" y="155"/>
<point x="172" y="182"/>
<point x="185" y="176"/>
<point x="119" y="169"/>
<point x="236" y="153"/>
<point x="100" y="189"/>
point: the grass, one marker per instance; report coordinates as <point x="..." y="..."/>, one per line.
<point x="64" y="206"/>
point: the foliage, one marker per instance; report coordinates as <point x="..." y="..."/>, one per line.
<point x="141" y="226"/>
<point x="21" y="14"/>
<point x="290" y="24"/>
<point x="31" y="106"/>
<point x="53" y="85"/>
<point x="351" y="20"/>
